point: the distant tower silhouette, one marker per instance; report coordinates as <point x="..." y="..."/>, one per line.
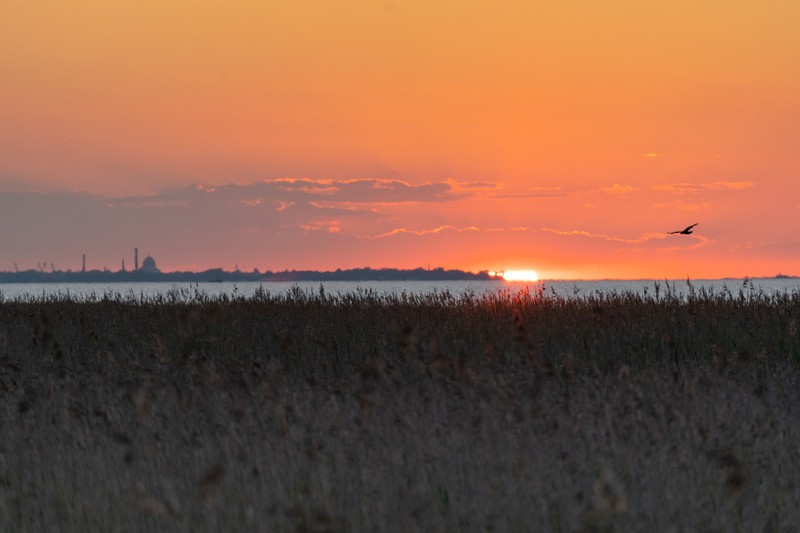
<point x="83" y="265"/>
<point x="123" y="264"/>
<point x="135" y="259"/>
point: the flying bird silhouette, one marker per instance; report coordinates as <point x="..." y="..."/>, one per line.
<point x="684" y="231"/>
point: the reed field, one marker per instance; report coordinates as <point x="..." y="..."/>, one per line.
<point x="311" y="412"/>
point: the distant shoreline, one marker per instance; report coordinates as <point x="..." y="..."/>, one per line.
<point x="219" y="275"/>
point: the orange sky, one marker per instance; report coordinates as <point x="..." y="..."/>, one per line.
<point x="458" y="134"/>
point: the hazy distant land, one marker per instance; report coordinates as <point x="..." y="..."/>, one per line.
<point x="218" y="274"/>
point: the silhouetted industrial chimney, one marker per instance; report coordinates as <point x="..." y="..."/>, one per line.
<point x="135" y="259"/>
<point x="83" y="265"/>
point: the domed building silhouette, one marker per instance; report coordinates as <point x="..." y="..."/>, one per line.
<point x="149" y="265"/>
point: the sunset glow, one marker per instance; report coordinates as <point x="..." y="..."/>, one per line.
<point x="324" y="135"/>
<point x="520" y="275"/>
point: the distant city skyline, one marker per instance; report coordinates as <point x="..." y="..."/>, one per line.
<point x="565" y="138"/>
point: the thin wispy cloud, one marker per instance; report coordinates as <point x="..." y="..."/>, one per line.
<point x="646" y="237"/>
<point x="368" y="190"/>
<point x="618" y="189"/>
<point x="306" y="190"/>
<point x="332" y="192"/>
<point x="254" y="202"/>
<point x="473" y="185"/>
<point x="685" y="243"/>
<point x="143" y="202"/>
<point x="406" y="231"/>
<point x="290" y="222"/>
<point x="451" y="228"/>
<point x="329" y="226"/>
<point x="278" y="205"/>
<point x="344" y="208"/>
<point x="698" y="187"/>
<point x="530" y="192"/>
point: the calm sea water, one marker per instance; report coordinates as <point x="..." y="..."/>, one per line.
<point x="566" y="288"/>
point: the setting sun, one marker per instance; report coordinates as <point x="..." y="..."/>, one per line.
<point x="520" y="275"/>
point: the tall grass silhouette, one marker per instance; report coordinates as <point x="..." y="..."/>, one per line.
<point x="366" y="411"/>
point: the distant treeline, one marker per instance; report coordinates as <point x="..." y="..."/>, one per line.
<point x="219" y="275"/>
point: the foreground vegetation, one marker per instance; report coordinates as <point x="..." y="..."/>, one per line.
<point x="366" y="412"/>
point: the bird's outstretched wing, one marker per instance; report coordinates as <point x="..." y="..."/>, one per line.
<point x="686" y="231"/>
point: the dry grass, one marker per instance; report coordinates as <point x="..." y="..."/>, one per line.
<point x="512" y="412"/>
